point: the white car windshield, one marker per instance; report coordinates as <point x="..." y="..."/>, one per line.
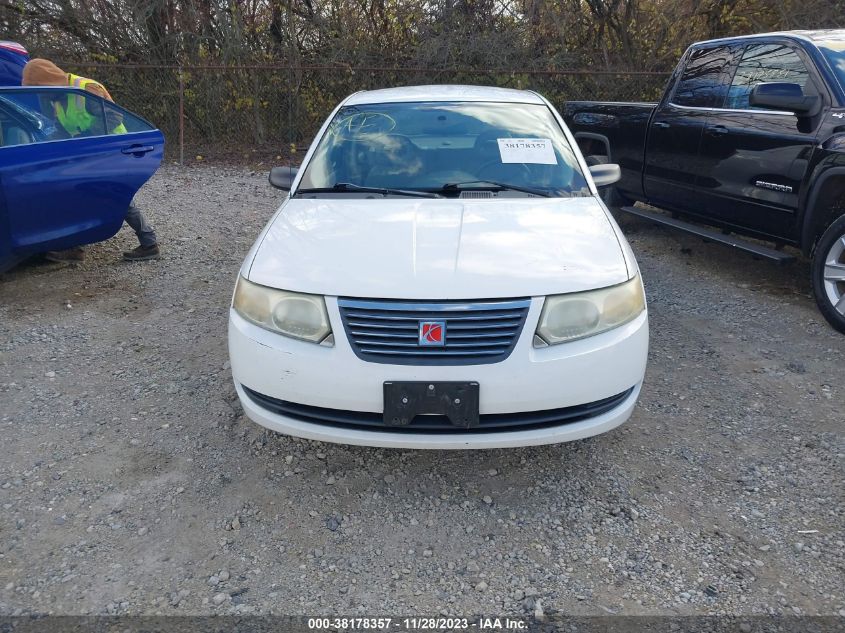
<point x="445" y="146"/>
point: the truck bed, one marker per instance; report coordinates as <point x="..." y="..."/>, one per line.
<point x="616" y="131"/>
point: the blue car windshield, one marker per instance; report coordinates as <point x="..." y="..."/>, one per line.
<point x="425" y="146"/>
<point x="834" y="52"/>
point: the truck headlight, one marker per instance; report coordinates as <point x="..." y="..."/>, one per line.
<point x="293" y="314"/>
<point x="580" y="314"/>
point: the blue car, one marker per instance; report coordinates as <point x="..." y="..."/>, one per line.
<point x="13" y="57"/>
<point x="58" y="191"/>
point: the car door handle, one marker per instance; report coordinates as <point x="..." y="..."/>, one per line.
<point x="137" y="150"/>
<point x="716" y="130"/>
<point x="661" y="124"/>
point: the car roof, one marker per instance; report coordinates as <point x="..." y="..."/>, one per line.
<point x="443" y="93"/>
<point x="813" y="37"/>
<point x="14" y="47"/>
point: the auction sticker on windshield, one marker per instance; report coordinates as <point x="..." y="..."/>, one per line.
<point x="538" y="151"/>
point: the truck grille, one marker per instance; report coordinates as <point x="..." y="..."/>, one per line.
<point x="476" y="332"/>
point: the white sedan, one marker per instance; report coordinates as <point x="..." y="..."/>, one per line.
<point x="441" y="274"/>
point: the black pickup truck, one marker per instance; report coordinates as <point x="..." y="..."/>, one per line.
<point x="749" y="138"/>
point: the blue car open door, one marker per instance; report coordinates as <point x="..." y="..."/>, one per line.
<point x="61" y="188"/>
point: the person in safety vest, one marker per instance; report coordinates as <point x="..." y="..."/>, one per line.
<point x="74" y="119"/>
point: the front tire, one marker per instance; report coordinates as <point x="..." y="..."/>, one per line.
<point x="829" y="274"/>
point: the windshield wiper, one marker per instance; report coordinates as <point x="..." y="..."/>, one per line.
<point x="456" y="186"/>
<point x="385" y="191"/>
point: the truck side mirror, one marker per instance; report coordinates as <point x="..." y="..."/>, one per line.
<point x="784" y="96"/>
<point x="605" y="175"/>
<point x="282" y="177"/>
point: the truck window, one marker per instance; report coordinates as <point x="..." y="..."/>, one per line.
<point x="762" y="63"/>
<point x="704" y="81"/>
<point x="834" y="52"/>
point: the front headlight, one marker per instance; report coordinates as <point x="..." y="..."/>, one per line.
<point x="293" y="314"/>
<point x="580" y="314"/>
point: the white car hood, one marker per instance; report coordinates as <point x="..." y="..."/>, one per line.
<point x="413" y="248"/>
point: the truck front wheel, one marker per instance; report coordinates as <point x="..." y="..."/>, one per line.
<point x="829" y="274"/>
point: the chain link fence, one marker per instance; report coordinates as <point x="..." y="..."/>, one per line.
<point x="258" y="112"/>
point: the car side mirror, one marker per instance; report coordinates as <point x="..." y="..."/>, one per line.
<point x="784" y="96"/>
<point x="605" y="175"/>
<point x="282" y="177"/>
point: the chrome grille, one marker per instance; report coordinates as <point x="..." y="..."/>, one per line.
<point x="477" y="332"/>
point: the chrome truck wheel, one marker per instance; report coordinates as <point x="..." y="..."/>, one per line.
<point x="829" y="274"/>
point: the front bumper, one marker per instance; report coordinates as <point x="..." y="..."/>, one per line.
<point x="530" y="379"/>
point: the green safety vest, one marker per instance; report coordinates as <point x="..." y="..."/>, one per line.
<point x="74" y="117"/>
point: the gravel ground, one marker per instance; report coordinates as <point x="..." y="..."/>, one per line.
<point x="130" y="481"/>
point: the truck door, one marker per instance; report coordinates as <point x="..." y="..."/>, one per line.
<point x="674" y="135"/>
<point x="753" y="160"/>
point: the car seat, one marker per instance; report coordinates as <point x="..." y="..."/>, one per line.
<point x="396" y="161"/>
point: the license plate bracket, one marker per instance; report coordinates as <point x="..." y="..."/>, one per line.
<point x="458" y="401"/>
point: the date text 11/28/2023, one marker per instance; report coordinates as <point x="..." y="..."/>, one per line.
<point x="419" y="623"/>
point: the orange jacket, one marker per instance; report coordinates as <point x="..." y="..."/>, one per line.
<point x="43" y="72"/>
